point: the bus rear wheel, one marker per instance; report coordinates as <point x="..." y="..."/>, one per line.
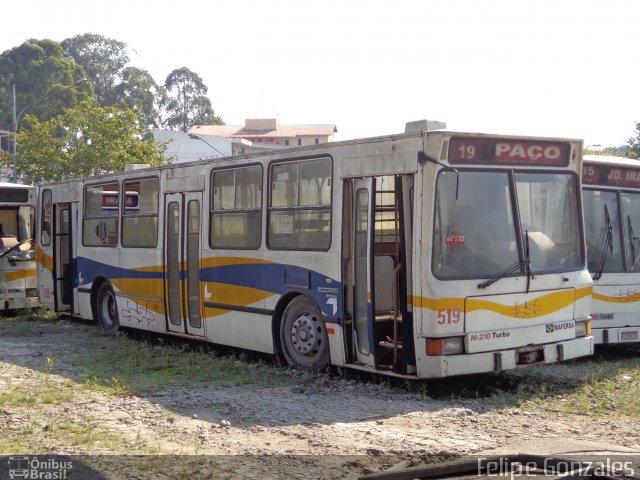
<point x="106" y="309"/>
<point x="303" y="335"/>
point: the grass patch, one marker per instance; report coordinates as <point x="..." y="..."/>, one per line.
<point x="29" y="397"/>
<point x="125" y="365"/>
<point x="616" y="394"/>
<point x="81" y="435"/>
<point x="137" y="362"/>
<point x="26" y="323"/>
<point x="610" y="388"/>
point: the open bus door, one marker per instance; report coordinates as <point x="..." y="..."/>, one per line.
<point x="363" y="264"/>
<point x="63" y="255"/>
<point x="377" y="253"/>
<point x="182" y="263"/>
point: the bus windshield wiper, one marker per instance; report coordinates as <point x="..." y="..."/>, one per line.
<point x="526" y="264"/>
<point x="605" y="242"/>
<point x="633" y="242"/>
<point x="527" y="260"/>
<point x="513" y="268"/>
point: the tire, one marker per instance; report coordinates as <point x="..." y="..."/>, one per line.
<point x="107" y="309"/>
<point x="303" y="335"/>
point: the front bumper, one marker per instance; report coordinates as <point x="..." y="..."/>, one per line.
<point x="464" y="364"/>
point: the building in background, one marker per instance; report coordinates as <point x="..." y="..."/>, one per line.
<point x="182" y="147"/>
<point x="268" y="133"/>
<point x="256" y="135"/>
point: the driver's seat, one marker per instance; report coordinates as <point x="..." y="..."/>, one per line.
<point x="7" y="241"/>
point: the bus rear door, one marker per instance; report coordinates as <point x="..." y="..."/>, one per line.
<point x="182" y="263"/>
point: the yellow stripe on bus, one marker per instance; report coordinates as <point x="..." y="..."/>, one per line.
<point x="629" y="298"/>
<point x="437" y="303"/>
<point x="43" y="259"/>
<point x="544" y="305"/>
<point x="232" y="295"/>
<point x="18" y="275"/>
<point x="224" y="261"/>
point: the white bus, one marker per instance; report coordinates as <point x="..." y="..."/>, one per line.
<point x="424" y="254"/>
<point x="18" y="279"/>
<point x="611" y="199"/>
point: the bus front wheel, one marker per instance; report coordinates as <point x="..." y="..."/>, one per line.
<point x="303" y="335"/>
<point x="106" y="309"/>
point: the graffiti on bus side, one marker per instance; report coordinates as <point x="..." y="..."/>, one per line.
<point x="135" y="312"/>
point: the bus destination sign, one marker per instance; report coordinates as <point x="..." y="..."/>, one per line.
<point x="480" y="151"/>
<point x="612" y="176"/>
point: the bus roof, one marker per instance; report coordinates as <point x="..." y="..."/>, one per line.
<point x="14" y="185"/>
<point x="612" y="160"/>
<point x="415" y="132"/>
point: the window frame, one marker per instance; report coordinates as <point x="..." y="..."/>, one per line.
<point x="42" y="217"/>
<point x="123" y="207"/>
<point x="304" y="208"/>
<point x="241" y="210"/>
<point x="117" y="216"/>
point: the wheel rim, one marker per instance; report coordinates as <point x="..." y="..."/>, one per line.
<point x="305" y="335"/>
<point x="109" y="308"/>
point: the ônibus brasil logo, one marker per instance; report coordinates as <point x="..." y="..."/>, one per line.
<point x="34" y="468"/>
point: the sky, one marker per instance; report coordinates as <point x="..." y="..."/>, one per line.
<point x="559" y="68"/>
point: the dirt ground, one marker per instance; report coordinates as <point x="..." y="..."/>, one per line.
<point x="319" y="426"/>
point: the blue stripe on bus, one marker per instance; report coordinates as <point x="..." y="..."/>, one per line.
<point x="269" y="277"/>
<point x="90" y="269"/>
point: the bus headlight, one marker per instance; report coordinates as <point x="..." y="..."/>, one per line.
<point x="583" y="328"/>
<point x="444" y="346"/>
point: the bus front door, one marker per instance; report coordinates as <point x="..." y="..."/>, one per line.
<point x="182" y="263"/>
<point x="63" y="257"/>
<point x="363" y="291"/>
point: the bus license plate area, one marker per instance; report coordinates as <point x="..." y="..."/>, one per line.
<point x="530" y="356"/>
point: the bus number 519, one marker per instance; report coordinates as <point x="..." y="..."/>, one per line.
<point x="448" y="317"/>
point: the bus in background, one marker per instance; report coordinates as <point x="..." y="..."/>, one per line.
<point x="18" y="279"/>
<point x="425" y="254"/>
<point x="611" y="199"/>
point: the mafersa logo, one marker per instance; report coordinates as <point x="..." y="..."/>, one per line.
<point x="556" y="327"/>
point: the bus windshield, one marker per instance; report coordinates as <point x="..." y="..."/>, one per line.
<point x="602" y="254"/>
<point x="16" y="228"/>
<point x="475" y="234"/>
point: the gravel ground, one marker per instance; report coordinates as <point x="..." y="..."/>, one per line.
<point x="319" y="426"/>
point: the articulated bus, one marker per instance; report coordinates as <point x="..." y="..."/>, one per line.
<point x="18" y="279"/>
<point x="425" y="254"/>
<point x="611" y="199"/>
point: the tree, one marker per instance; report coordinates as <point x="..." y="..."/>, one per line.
<point x="189" y="104"/>
<point x="86" y="140"/>
<point x="634" y="143"/>
<point x="103" y="60"/>
<point x="141" y="93"/>
<point x="40" y="71"/>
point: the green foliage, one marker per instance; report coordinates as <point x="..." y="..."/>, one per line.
<point x="129" y="365"/>
<point x="141" y="93"/>
<point x="84" y="140"/>
<point x="634" y="143"/>
<point x="49" y="79"/>
<point x="188" y="105"/>
<point x="103" y="60"/>
<point x="46" y="81"/>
